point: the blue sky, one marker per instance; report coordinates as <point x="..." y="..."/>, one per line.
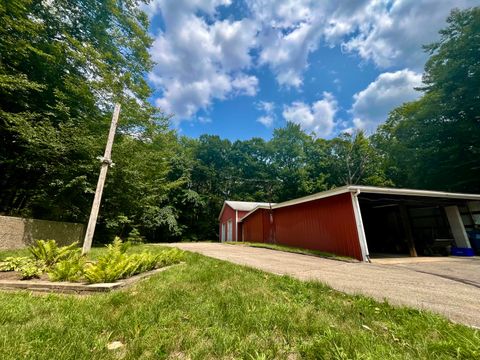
<point x="239" y="69"/>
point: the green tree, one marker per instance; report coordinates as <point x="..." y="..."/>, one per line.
<point x="435" y="142"/>
<point x="289" y="161"/>
<point x="353" y="160"/>
<point x="63" y="63"/>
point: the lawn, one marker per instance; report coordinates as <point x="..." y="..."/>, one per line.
<point x="210" y="309"/>
<point x="293" y="250"/>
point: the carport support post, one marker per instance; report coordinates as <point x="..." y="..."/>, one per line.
<point x="456" y="225"/>
<point x="360" y="229"/>
<point x="408" y="230"/>
<point x="106" y="163"/>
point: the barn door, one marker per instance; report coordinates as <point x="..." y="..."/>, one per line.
<point x="229" y="230"/>
<point x="222" y="236"/>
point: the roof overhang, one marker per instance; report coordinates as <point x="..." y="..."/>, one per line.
<point x="256" y="208"/>
<point x="358" y="189"/>
<point x="414" y="192"/>
<point x="229" y="204"/>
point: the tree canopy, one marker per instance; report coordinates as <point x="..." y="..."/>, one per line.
<point x="64" y="63"/>
<point x="434" y="142"/>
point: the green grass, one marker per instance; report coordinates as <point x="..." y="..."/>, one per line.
<point x="293" y="250"/>
<point x="210" y="309"/>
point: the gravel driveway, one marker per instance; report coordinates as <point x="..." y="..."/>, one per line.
<point x="449" y="286"/>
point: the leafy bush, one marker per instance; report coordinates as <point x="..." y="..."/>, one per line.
<point x="32" y="269"/>
<point x="67" y="263"/>
<point x="14" y="263"/>
<point x="115" y="264"/>
<point x="49" y="253"/>
<point x="118" y="247"/>
<point x="134" y="237"/>
<point x="170" y="257"/>
<point x="70" y="269"/>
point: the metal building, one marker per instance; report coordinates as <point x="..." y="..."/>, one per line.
<point x="361" y="221"/>
<point x="230" y="215"/>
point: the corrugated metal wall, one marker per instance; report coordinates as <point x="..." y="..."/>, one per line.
<point x="255" y="228"/>
<point x="228" y="213"/>
<point x="326" y="225"/>
<point x="241" y="214"/>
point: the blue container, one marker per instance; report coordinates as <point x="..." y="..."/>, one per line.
<point x="456" y="251"/>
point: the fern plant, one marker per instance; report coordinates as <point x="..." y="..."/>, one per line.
<point x="70" y="269"/>
<point x="49" y="253"/>
<point x="170" y="257"/>
<point x="116" y="264"/>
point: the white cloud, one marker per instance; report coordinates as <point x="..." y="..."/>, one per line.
<point x="318" y="117"/>
<point x="269" y="108"/>
<point x="266" y="120"/>
<point x="389" y="90"/>
<point x="204" y="120"/>
<point x="199" y="59"/>
<point x="393" y="34"/>
<point x="382" y="31"/>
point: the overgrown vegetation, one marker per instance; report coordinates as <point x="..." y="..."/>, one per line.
<point x="212" y="309"/>
<point x="67" y="264"/>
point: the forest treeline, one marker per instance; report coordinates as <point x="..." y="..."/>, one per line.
<point x="64" y="63"/>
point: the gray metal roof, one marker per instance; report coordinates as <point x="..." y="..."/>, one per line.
<point x="251" y="207"/>
<point x="378" y="190"/>
<point x="245" y="205"/>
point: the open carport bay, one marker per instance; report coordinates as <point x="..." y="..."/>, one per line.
<point x="415" y="225"/>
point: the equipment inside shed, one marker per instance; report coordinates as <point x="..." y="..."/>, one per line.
<point x="412" y="225"/>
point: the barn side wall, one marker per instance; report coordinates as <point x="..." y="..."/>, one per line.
<point x="18" y="233"/>
<point x="326" y="224"/>
<point x="255" y="228"/>
<point x="228" y="213"/>
<point x="241" y="214"/>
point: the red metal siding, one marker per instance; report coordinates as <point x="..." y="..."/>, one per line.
<point x="255" y="228"/>
<point x="326" y="224"/>
<point x="228" y="214"/>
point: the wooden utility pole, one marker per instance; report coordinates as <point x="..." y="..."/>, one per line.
<point x="106" y="163"/>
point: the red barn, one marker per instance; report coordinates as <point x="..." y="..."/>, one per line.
<point x="231" y="213"/>
<point x="357" y="221"/>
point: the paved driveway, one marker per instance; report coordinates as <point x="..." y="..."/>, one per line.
<point x="449" y="286"/>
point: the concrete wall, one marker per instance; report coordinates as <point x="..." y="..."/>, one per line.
<point x="17" y="233"/>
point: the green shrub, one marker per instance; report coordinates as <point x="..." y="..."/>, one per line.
<point x="170" y="257"/>
<point x="115" y="264"/>
<point x="49" y="253"/>
<point x="32" y="269"/>
<point x="70" y="269"/>
<point x="118" y="247"/>
<point x="134" y="237"/>
<point x="14" y="263"/>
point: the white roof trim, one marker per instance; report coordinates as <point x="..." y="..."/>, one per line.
<point x="414" y="192"/>
<point x="255" y="209"/>
<point x="368" y="190"/>
<point x="320" y="195"/>
<point x="242" y="206"/>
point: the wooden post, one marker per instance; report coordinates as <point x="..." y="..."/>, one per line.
<point x="408" y="230"/>
<point x="106" y="162"/>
